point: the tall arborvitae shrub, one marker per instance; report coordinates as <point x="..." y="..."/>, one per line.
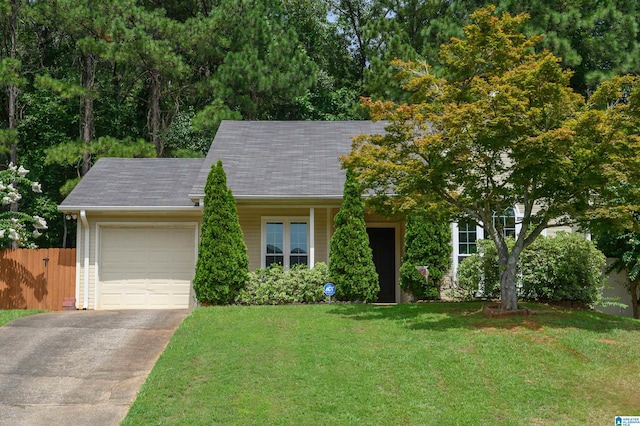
<point x="427" y="242"/>
<point x="222" y="268"/>
<point x="351" y="265"/>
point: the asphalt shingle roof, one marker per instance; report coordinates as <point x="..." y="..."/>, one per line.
<point x="136" y="182"/>
<point x="283" y="159"/>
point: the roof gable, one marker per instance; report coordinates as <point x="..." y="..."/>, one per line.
<point x="283" y="159"/>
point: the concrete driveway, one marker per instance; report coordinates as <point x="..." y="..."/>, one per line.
<point x="79" y="367"/>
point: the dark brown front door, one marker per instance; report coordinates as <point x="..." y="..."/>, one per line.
<point x="383" y="245"/>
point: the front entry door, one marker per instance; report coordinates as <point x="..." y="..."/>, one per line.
<point x="383" y="245"/>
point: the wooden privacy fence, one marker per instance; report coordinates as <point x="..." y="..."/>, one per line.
<point x="37" y="278"/>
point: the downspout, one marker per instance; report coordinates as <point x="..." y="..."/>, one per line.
<point x="78" y="258"/>
<point x="85" y="225"/>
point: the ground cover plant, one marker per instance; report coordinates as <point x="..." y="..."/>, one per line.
<point x="418" y="364"/>
<point x="6" y="316"/>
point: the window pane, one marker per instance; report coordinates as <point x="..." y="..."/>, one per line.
<point x="298" y="238"/>
<point x="275" y="238"/>
<point x="298" y="260"/>
<point x="274" y="259"/>
<point x="508" y="222"/>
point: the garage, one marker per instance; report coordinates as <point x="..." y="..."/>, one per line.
<point x="146" y="267"/>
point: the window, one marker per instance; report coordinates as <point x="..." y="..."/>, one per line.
<point x="285" y="242"/>
<point x="467" y="238"/>
<point x="466" y="233"/>
<point x="508" y="222"/>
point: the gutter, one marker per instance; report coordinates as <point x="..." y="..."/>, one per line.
<point x="64" y="208"/>
<point x="85" y="225"/>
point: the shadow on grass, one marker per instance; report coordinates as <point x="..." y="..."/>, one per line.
<point x="443" y="316"/>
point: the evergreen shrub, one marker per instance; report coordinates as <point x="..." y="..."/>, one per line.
<point x="351" y="266"/>
<point x="426" y="243"/>
<point x="222" y="266"/>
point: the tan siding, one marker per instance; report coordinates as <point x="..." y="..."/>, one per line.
<point x="250" y="223"/>
<point x="321" y="240"/>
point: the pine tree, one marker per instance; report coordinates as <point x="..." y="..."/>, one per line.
<point x="350" y="258"/>
<point x="427" y="242"/>
<point x="222" y="267"/>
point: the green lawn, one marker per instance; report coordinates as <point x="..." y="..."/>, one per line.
<point x="11" y="314"/>
<point x="418" y="364"/>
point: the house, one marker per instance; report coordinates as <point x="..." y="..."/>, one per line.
<point x="139" y="219"/>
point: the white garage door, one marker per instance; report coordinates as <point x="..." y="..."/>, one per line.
<point x="146" y="267"/>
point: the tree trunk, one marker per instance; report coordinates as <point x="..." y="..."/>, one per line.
<point x="508" y="294"/>
<point x="13" y="98"/>
<point x="87" y="104"/>
<point x="13" y="90"/>
<point x="508" y="262"/>
<point x="153" y="120"/>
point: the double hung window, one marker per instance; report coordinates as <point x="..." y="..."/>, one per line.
<point x="467" y="238"/>
<point x="285" y="241"/>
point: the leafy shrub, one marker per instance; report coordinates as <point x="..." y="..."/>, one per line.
<point x="426" y="242"/>
<point x="469" y="277"/>
<point x="564" y="267"/>
<point x="275" y="286"/>
<point x="479" y="273"/>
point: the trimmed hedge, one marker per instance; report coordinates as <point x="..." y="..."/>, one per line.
<point x="275" y="286"/>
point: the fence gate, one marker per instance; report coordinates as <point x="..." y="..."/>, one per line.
<point x="37" y="278"/>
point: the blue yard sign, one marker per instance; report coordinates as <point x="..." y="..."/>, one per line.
<point x="329" y="290"/>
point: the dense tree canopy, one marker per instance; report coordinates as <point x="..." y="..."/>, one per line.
<point x="501" y="128"/>
<point x="84" y="79"/>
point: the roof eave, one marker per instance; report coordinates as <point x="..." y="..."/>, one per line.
<point x="66" y="209"/>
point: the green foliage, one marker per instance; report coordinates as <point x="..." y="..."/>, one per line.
<point x="182" y="140"/>
<point x="71" y="153"/>
<point x="222" y="266"/>
<point x="469" y="277"/>
<point x="565" y="267"/>
<point x="479" y="274"/>
<point x="351" y="266"/>
<point x="427" y="242"/>
<point x="275" y="286"/>
<point x="499" y="126"/>
<point x="266" y="67"/>
<point x="596" y="39"/>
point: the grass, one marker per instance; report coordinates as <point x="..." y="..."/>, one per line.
<point x="394" y="365"/>
<point x="9" y="315"/>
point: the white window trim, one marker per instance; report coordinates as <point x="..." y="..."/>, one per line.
<point x="479" y="236"/>
<point x="286" y="220"/>
<point x="456" y="243"/>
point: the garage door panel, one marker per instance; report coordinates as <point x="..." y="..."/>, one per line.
<point x="146" y="267"/>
